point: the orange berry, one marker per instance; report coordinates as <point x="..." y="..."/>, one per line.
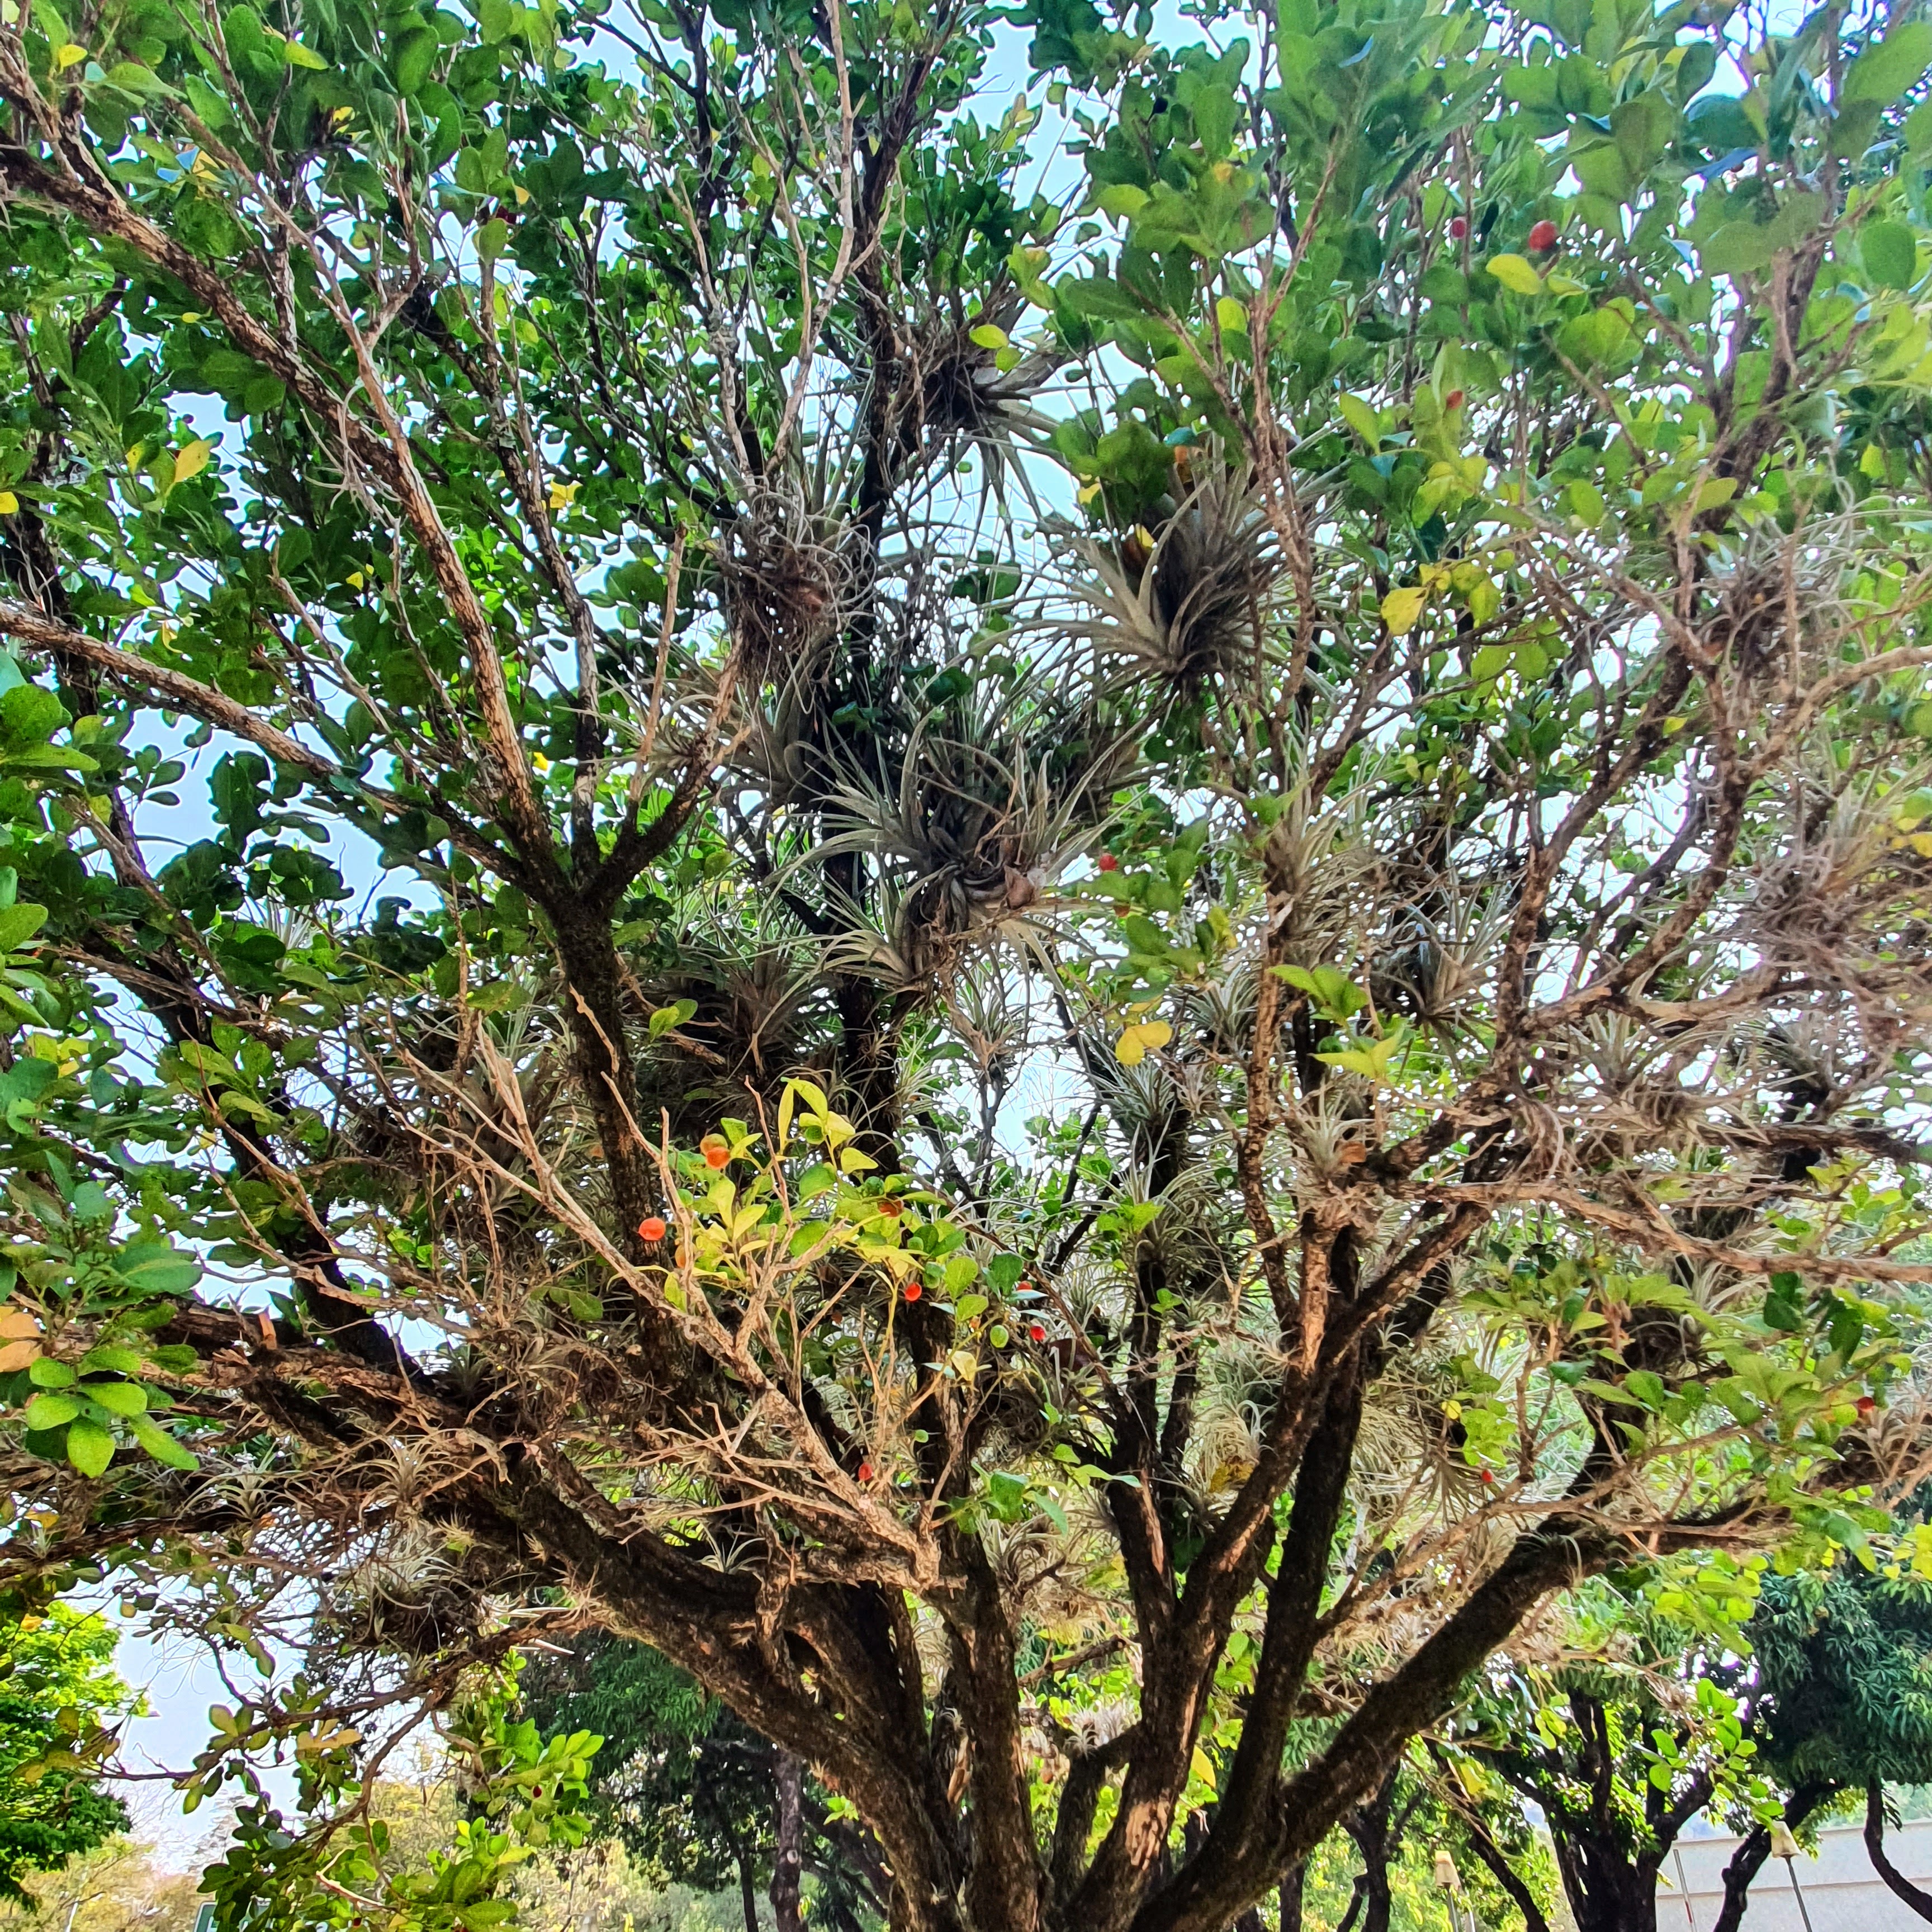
<point x="716" y="1153"/>
<point x="1453" y="399"/>
<point x="864" y="1472"/>
<point x="913" y="1291"/>
<point x="652" y="1227"/>
<point x="890" y="1207"/>
<point x="1459" y="227"/>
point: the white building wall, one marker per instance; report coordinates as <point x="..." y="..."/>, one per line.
<point x="1841" y="1891"/>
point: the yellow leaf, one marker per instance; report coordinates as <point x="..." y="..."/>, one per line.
<point x="1088" y="492"/>
<point x="1402" y="609"/>
<point x="69" y="55"/>
<point x="988" y="336"/>
<point x="192" y="458"/>
<point x="1138" y="1041"/>
<point x="9" y="503"/>
<point x="522" y="193"/>
<point x="1230" y="314"/>
<point x="562" y="495"/>
<point x="1514" y="273"/>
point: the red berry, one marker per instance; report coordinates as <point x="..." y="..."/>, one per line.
<point x="1453" y="399"/>
<point x="1459" y="227"/>
<point x="652" y="1227"/>
<point x="1487" y="1478"/>
<point x="913" y="1291"/>
<point x="1037" y="1333"/>
<point x="1108" y="863"/>
<point x="1866" y="1406"/>
<point x="1543" y="238"/>
<point x="864" y="1472"/>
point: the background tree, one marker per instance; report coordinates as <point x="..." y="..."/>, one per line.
<point x="1620" y="1750"/>
<point x="689" y="1789"/>
<point x="1841" y="1658"/>
<point x="1437" y="817"/>
<point x="57" y="1688"/>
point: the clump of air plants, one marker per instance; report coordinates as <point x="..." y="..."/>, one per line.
<point x="972" y="827"/>
<point x="748" y="990"/>
<point x="962" y="389"/>
<point x="1188" y="600"/>
<point x="784" y="589"/>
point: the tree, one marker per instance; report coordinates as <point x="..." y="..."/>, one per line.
<point x="1434" y="813"/>
<point x="1635" y="1733"/>
<point x="57" y="1686"/>
<point x="690" y="1789"/>
<point x="1840" y="1659"/>
<point x="114" y="1886"/>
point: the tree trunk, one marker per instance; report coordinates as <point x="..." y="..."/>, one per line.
<point x="748" y="1892"/>
<point x="1747" y="1860"/>
<point x="1291" y="1899"/>
<point x="1610" y="1893"/>
<point x="1491" y="1853"/>
<point x="788" y="1860"/>
<point x="1369" y="1826"/>
<point x="1902" y="1887"/>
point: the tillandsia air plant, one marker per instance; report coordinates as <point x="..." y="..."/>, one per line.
<point x="1067" y="922"/>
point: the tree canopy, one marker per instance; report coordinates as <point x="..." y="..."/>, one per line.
<point x="57" y="1686"/>
<point x="1062" y="918"/>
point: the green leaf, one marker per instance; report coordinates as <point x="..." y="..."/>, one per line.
<point x="1885" y="72"/>
<point x="296" y="55"/>
<point x="1361" y="418"/>
<point x="414" y="59"/>
<point x="50" y="1412"/>
<point x="19" y="923"/>
<point x="90" y="1448"/>
<point x="116" y="1361"/>
<point x="157" y="1268"/>
<point x="1738" y="248"/>
<point x="1784" y="1305"/>
<point x="665" y="1017"/>
<point x="1374" y="1059"/>
<point x="1890" y="252"/>
<point x="117" y="1398"/>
